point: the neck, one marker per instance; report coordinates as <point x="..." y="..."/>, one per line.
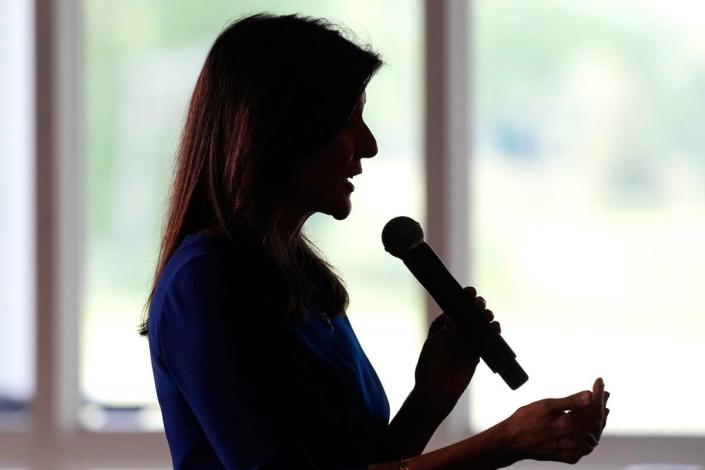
<point x="291" y="222"/>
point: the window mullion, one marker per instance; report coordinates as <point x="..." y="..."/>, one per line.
<point x="58" y="197"/>
<point x="446" y="158"/>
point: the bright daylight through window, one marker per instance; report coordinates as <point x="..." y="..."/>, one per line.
<point x="16" y="215"/>
<point x="588" y="203"/>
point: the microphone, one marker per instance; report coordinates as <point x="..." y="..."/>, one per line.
<point x="403" y="237"/>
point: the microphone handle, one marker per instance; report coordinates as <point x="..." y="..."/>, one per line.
<point x="451" y="298"/>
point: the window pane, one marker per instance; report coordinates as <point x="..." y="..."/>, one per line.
<point x="16" y="212"/>
<point x="141" y="62"/>
<point x="589" y="203"/>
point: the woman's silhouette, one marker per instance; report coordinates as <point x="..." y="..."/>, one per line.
<point x="254" y="360"/>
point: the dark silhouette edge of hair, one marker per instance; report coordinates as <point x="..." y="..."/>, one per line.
<point x="273" y="90"/>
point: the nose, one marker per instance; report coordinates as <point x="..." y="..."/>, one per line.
<point x="367" y="144"/>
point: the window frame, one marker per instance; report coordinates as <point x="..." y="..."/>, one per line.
<point x="55" y="438"/>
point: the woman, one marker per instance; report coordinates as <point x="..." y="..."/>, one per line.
<point x="255" y="362"/>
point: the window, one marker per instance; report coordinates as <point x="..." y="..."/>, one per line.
<point x="16" y="215"/>
<point x="585" y="152"/>
<point x="589" y="203"/>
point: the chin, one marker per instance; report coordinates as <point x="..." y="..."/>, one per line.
<point x="337" y="207"/>
<point x="341" y="211"/>
<point x="341" y="214"/>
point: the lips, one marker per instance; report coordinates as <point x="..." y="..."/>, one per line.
<point x="349" y="184"/>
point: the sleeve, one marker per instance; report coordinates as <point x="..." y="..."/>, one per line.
<point x="225" y="368"/>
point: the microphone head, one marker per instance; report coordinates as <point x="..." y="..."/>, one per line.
<point x="400" y="235"/>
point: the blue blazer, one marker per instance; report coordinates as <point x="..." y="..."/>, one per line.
<point x="239" y="391"/>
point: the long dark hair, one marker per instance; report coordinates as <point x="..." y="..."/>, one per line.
<point x="272" y="90"/>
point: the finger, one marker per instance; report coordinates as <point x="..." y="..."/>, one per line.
<point x="451" y="325"/>
<point x="592" y="439"/>
<point x="576" y="444"/>
<point x="489" y="316"/>
<point x="437" y="325"/>
<point x="565" y="443"/>
<point x="444" y="325"/>
<point x="568" y="451"/>
<point x="480" y="303"/>
<point x="496" y="326"/>
<point x="598" y="386"/>
<point x="470" y="291"/>
<point x="604" y="419"/>
<point x="590" y="443"/>
<point x="572" y="457"/>
<point x="572" y="402"/>
<point x="598" y="392"/>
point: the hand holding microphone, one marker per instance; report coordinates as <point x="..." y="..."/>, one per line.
<point x="403" y="238"/>
<point x="446" y="363"/>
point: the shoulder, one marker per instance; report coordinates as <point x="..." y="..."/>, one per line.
<point x="208" y="274"/>
<point x="204" y="259"/>
<point x="212" y="294"/>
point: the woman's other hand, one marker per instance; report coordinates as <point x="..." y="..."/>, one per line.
<point x="447" y="361"/>
<point x="558" y="429"/>
<point x="593" y="418"/>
